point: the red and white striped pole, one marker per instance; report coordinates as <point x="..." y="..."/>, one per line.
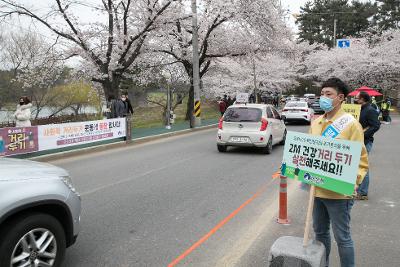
<point x="283" y="217"/>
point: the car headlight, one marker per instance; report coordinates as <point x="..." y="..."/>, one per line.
<point x="68" y="182"/>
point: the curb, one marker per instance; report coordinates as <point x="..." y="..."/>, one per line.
<point x="120" y="144"/>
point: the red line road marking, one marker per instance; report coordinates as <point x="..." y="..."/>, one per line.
<point x="219" y="226"/>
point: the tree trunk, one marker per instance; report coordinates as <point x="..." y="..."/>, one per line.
<point x="164" y="116"/>
<point x="111" y="88"/>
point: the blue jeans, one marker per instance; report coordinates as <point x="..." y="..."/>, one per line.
<point x="363" y="188"/>
<point x="337" y="213"/>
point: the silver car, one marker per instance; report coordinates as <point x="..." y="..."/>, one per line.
<point x="39" y="213"/>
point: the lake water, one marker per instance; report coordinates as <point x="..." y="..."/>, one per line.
<point x="7" y="115"/>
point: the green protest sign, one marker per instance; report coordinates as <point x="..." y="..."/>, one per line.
<point x="324" y="162"/>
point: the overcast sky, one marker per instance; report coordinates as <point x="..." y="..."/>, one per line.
<point x="293" y="7"/>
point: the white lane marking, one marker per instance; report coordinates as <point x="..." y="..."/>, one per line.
<point x="133" y="146"/>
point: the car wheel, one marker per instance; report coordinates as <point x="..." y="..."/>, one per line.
<point x="283" y="139"/>
<point x="221" y="148"/>
<point x="268" y="148"/>
<point x="34" y="239"/>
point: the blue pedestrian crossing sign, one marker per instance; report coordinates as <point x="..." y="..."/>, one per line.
<point x="343" y="43"/>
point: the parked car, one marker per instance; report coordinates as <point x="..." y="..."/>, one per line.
<point x="39" y="213"/>
<point x="251" y="125"/>
<point x="317" y="109"/>
<point x="310" y="98"/>
<point x="297" y="111"/>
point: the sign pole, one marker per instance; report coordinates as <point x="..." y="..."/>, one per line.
<point x="309" y="215"/>
<point x="128" y="138"/>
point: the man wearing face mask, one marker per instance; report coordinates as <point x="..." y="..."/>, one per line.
<point x="121" y="107"/>
<point x="331" y="208"/>
<point x="370" y="123"/>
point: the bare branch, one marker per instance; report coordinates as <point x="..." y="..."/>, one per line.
<point x="205" y="68"/>
<point x="155" y="102"/>
<point x="141" y="35"/>
<point x="110" y="32"/>
<point x="204" y="47"/>
<point x="169" y="53"/>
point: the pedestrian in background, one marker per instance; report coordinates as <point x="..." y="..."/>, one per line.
<point x="374" y="104"/>
<point x="222" y="106"/>
<point x="121" y="107"/>
<point x="229" y="102"/>
<point x="23" y="113"/>
<point x="332" y="209"/>
<point x="385" y="107"/>
<point x="128" y="101"/>
<point x="225" y="99"/>
<point x="370" y="124"/>
<point x="252" y="98"/>
<point x="110" y="108"/>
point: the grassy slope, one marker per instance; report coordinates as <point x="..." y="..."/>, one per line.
<point x="151" y="116"/>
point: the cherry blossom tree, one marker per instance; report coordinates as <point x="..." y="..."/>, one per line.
<point x="365" y="63"/>
<point x="127" y="33"/>
<point x="226" y="29"/>
<point x="110" y="45"/>
<point x="271" y="72"/>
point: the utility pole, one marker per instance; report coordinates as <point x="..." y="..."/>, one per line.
<point x="334" y="32"/>
<point x="195" y="119"/>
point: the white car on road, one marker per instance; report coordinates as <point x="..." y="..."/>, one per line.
<point x="297" y="111"/>
<point x="251" y="125"/>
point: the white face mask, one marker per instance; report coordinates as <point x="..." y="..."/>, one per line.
<point x="123" y="98"/>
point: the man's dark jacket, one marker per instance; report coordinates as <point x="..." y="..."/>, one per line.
<point x="369" y="121"/>
<point x="121" y="108"/>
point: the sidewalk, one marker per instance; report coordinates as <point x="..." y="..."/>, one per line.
<point x="375" y="228"/>
<point x="137" y="134"/>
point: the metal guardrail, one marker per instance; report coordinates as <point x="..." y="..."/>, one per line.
<point x="55" y="120"/>
<point x="7" y="124"/>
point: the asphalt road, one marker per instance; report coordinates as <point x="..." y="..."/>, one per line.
<point x="146" y="205"/>
<point x="178" y="200"/>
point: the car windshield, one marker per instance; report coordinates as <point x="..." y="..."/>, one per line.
<point x="242" y="114"/>
<point x="296" y="105"/>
